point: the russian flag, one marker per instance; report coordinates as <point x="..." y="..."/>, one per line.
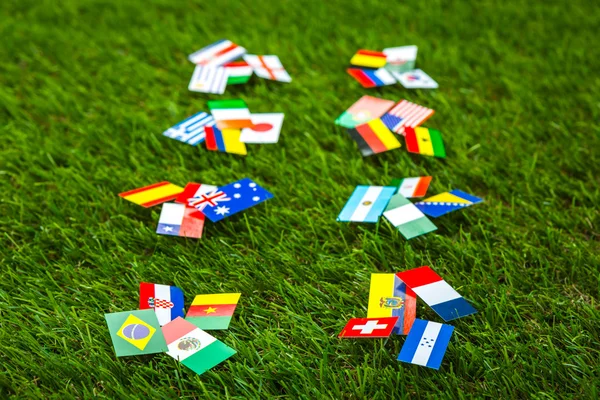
<point x="167" y="301"/>
<point x="369" y="78"/>
<point x="437" y="293"/>
<point x="426" y="344"/>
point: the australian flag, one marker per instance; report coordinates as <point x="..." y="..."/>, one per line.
<point x="233" y="198"/>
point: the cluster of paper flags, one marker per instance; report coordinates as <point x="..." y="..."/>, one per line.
<point x="192" y="204"/>
<point x="225" y="63"/>
<point x="369" y="203"/>
<point x="392" y="65"/>
<point x="392" y="309"/>
<point x="161" y="326"/>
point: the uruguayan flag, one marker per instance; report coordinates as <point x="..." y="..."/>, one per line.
<point x="426" y="343"/>
<point x="191" y="130"/>
<point x="209" y="80"/>
<point x="366" y="204"/>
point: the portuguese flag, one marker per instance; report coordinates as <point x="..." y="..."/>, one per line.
<point x="213" y="311"/>
<point x="425" y="141"/>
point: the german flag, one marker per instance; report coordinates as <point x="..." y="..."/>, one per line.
<point x="152" y="195"/>
<point x="213" y="311"/>
<point x="425" y="141"/>
<point x="373" y="137"/>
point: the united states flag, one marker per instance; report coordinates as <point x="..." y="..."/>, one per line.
<point x="406" y="114"/>
<point x="191" y="130"/>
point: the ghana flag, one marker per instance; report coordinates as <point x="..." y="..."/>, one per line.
<point x="213" y="311"/>
<point x="425" y="141"/>
<point x="373" y="137"/>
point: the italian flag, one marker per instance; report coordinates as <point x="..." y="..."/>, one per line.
<point x="407" y="218"/>
<point x="239" y="72"/>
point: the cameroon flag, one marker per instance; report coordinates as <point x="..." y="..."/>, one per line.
<point x="425" y="141"/>
<point x="213" y="311"/>
<point x="373" y="137"/>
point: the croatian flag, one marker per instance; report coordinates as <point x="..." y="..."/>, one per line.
<point x="426" y="344"/>
<point x="167" y="301"/>
<point x="437" y="293"/>
<point x="180" y="220"/>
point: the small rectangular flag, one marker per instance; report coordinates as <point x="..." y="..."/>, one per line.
<point x="208" y="80"/>
<point x="390" y="297"/>
<point x="266" y="128"/>
<point x="366" y="204"/>
<point x="426" y="344"/>
<point x="180" y="220"/>
<point x="369" y="328"/>
<point x="135" y="332"/>
<point x="364" y="110"/>
<point x="193" y="190"/>
<point x="152" y="195"/>
<point x="230" y="199"/>
<point x="238" y="72"/>
<point x="407" y="218"/>
<point x="401" y="59"/>
<point x="412" y="187"/>
<point x="166" y="301"/>
<point x="217" y="53"/>
<point x="370" y="78"/>
<point x="425" y="141"/>
<point x="415" y="79"/>
<point x="406" y="114"/>
<point x="193" y="347"/>
<point x="213" y="311"/>
<point x="444" y="203"/>
<point x="438" y="294"/>
<point x="268" y="67"/>
<point x="230" y="114"/>
<point x="191" y="129"/>
<point x="225" y="141"/>
<point x="373" y="137"/>
<point x="369" y="59"/>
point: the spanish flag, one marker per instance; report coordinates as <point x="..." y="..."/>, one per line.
<point x="373" y="137"/>
<point x="390" y="297"/>
<point x="213" y="311"/>
<point x="425" y="141"/>
<point x="152" y="195"/>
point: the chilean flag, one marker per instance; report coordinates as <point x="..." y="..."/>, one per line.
<point x="167" y="301"/>
<point x="180" y="220"/>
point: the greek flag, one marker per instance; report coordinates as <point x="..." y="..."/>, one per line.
<point x="191" y="129"/>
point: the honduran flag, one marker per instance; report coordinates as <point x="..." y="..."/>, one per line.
<point x="426" y="344"/>
<point x="167" y="301"/>
<point x="370" y="78"/>
<point x="437" y="293"/>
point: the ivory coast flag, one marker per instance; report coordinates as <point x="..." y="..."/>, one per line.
<point x="213" y="311"/>
<point x="390" y="297"/>
<point x="152" y="195"/>
<point x="424" y="141"/>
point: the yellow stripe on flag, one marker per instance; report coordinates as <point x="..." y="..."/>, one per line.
<point x="424" y="140"/>
<point x="446" y="198"/>
<point x="154" y="194"/>
<point x="214" y="299"/>
<point x="384" y="134"/>
<point x="382" y="285"/>
<point x="231" y="139"/>
<point x="367" y="61"/>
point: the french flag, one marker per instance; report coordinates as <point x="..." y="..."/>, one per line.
<point x="167" y="301"/>
<point x="437" y="293"/>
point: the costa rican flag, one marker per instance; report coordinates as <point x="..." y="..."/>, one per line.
<point x="208" y="199"/>
<point x="217" y="54"/>
<point x="191" y="129"/>
<point x="208" y="80"/>
<point x="167" y="301"/>
<point x="406" y="114"/>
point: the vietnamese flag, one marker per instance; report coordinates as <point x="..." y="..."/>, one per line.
<point x="213" y="311"/>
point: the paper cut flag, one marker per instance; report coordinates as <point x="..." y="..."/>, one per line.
<point x="230" y="199"/>
<point x="390" y="297"/>
<point x="152" y="195"/>
<point x="193" y="190"/>
<point x="238" y="72"/>
<point x="444" y="203"/>
<point x="193" y="347"/>
<point x="369" y="328"/>
<point x="225" y="141"/>
<point x="401" y="59"/>
<point x="412" y="187"/>
<point x="230" y="114"/>
<point x="364" y="110"/>
<point x="217" y="53"/>
<point x="406" y="114"/>
<point x="426" y="344"/>
<point x="208" y="80"/>
<point x="407" y="218"/>
<point x="191" y="129"/>
<point x="373" y="137"/>
<point x="366" y="204"/>
<point x="213" y="311"/>
<point x="167" y="301"/>
<point x="370" y="78"/>
<point x="268" y="67"/>
<point x="180" y="220"/>
<point x="266" y="129"/>
<point x="438" y="294"/>
<point x="415" y="79"/>
<point x="135" y="332"/>
<point x="425" y="141"/>
<point x="369" y="59"/>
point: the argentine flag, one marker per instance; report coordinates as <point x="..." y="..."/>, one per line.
<point x="366" y="204"/>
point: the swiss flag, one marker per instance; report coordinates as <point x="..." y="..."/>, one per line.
<point x="369" y="327"/>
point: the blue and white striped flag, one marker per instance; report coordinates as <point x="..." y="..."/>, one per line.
<point x="209" y="80"/>
<point x="191" y="129"/>
<point x="366" y="204"/>
<point x="426" y="344"/>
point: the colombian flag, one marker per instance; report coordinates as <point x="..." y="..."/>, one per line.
<point x="390" y="297"/>
<point x="213" y="311"/>
<point x="152" y="195"/>
<point x="226" y="140"/>
<point x="425" y="141"/>
<point x="373" y="137"/>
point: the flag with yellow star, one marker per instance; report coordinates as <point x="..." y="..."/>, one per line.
<point x="213" y="311"/>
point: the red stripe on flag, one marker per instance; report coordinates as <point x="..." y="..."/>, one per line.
<point x="146" y="291"/>
<point x="134" y="191"/>
<point x="192" y="224"/>
<point x="211" y="143"/>
<point x="220" y="310"/>
<point x="418" y="277"/>
<point x="410" y="310"/>
<point x="236" y="64"/>
<point x="422" y="186"/>
<point x="265" y="67"/>
<point x="225" y="50"/>
<point x="177" y="329"/>
<point x="189" y="191"/>
<point x="371" y="138"/>
<point x="372" y="53"/>
<point x="411" y="140"/>
<point x="361" y="77"/>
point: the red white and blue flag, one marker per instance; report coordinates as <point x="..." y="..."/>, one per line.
<point x="193" y="190"/>
<point x="180" y="220"/>
<point x="370" y="78"/>
<point x="217" y="54"/>
<point x="167" y="301"/>
<point x="406" y="114"/>
<point x="209" y="199"/>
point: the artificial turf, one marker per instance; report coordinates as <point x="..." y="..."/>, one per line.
<point x="86" y="90"/>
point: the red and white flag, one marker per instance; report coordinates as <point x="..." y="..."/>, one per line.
<point x="268" y="67"/>
<point x="217" y="54"/>
<point x="369" y="327"/>
<point x="266" y="128"/>
<point x="193" y="190"/>
<point x="414" y="187"/>
<point x="406" y="114"/>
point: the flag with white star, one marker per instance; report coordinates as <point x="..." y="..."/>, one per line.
<point x="180" y="220"/>
<point x="230" y="199"/>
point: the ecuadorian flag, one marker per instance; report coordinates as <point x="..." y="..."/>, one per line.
<point x="390" y="297"/>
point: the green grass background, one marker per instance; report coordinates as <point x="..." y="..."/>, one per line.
<point x="86" y="90"/>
